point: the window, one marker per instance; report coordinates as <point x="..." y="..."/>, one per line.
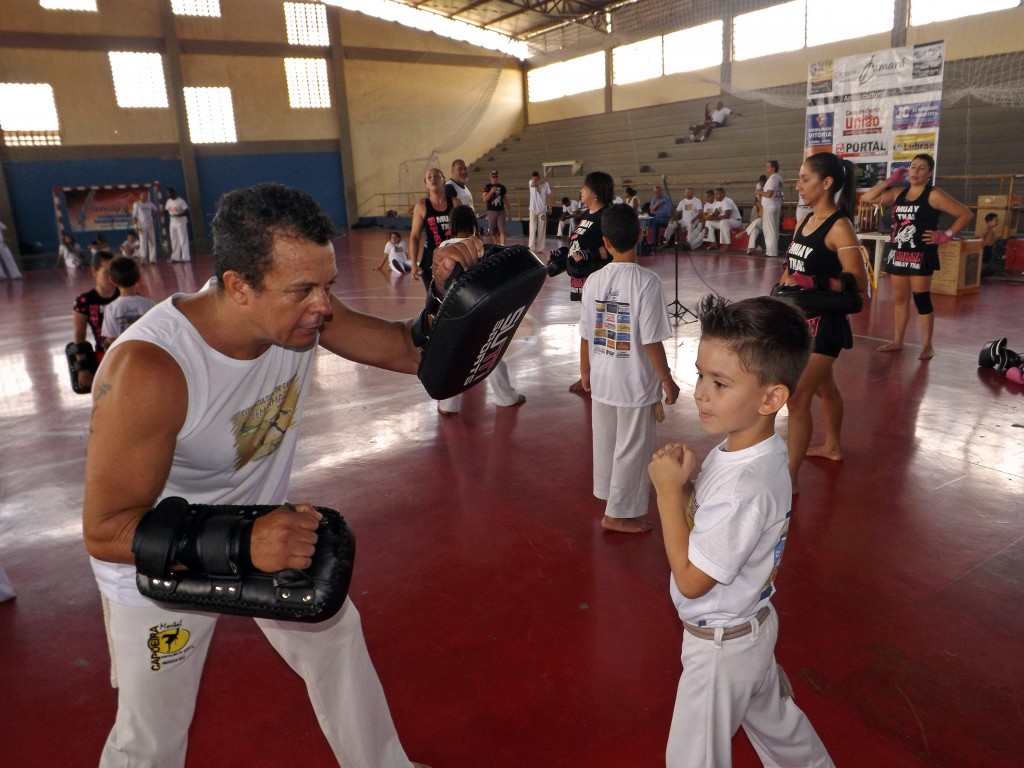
<point x="637" y="61"/>
<point x="210" y="8"/>
<point x="695" y="48"/>
<point x="777" y="29"/>
<point x="927" y="11"/>
<point x="68" y="5"/>
<point x="306" y="24"/>
<point x="565" y="78"/>
<point x="138" y="79"/>
<point x="28" y="114"/>
<point x="827" y="23"/>
<point x="307" y="83"/>
<point x="211" y="119"/>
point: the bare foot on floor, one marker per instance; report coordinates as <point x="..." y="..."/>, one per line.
<point x="927" y="353"/>
<point x="892" y="346"/>
<point x="627" y="524"/>
<point x="825" y="452"/>
<point x="577" y="388"/>
<point x="519" y="401"/>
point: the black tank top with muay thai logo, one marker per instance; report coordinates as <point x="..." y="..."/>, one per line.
<point x="437" y="226"/>
<point x="910" y="220"/>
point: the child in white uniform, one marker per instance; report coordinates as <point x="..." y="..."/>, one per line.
<point x="724" y="535"/>
<point x="396" y="255"/>
<point x="463" y="224"/>
<point x="624" y="320"/>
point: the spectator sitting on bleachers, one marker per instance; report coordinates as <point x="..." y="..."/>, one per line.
<point x="701" y="131"/>
<point x="724" y="218"/>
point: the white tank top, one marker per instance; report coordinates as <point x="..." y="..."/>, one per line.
<point x="238" y="440"/>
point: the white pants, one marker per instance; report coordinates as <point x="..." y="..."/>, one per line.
<point x="729" y="683"/>
<point x="771" y="215"/>
<point x="147" y="244"/>
<point x="694" y="232"/>
<point x="179" y="239"/>
<point x="724" y="227"/>
<point x="158" y="674"/>
<point x="501" y="387"/>
<point x="566" y="227"/>
<point x="753" y="230"/>
<point x="538" y="227"/>
<point x="10" y="265"/>
<point x="624" y="441"/>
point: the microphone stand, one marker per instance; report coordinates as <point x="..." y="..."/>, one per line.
<point x="676" y="309"/>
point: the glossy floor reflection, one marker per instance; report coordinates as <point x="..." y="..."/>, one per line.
<point x="509" y="631"/>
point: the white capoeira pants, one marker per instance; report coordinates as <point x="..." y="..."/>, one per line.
<point x="771" y="215"/>
<point x="694" y="232"/>
<point x="624" y="441"/>
<point x="159" y="655"/>
<point x="179" y="240"/>
<point x="753" y="230"/>
<point x="538" y="230"/>
<point x="501" y="387"/>
<point x="10" y="266"/>
<point x="147" y="244"/>
<point x="724" y="227"/>
<point x="729" y="683"/>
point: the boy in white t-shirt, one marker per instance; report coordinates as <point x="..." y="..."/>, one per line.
<point x="130" y="305"/>
<point x="623" y="322"/>
<point x="724" y="536"/>
<point x="396" y="255"/>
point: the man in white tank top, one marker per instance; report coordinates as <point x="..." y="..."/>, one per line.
<point x="202" y="398"/>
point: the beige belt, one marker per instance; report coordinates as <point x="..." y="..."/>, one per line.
<point x="730" y="633"/>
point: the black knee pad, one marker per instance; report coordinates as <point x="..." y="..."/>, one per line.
<point x="923" y="302"/>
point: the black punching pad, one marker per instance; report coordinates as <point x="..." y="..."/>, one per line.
<point x="816" y="303"/>
<point x="310" y="595"/>
<point x="481" y="310"/>
<point x="89" y="363"/>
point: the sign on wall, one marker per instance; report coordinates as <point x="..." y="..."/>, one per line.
<point x="876" y="109"/>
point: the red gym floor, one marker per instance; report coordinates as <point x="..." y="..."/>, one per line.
<point x="508" y="630"/>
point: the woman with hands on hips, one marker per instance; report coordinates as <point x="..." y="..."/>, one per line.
<point x="916" y="238"/>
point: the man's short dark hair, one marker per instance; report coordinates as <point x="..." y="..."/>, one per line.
<point x="566" y="201"/>
<point x="991" y="216"/>
<point x="621" y="226"/>
<point x="768" y="335"/>
<point x="774" y="164"/>
<point x="124" y="271"/>
<point x="248" y="220"/>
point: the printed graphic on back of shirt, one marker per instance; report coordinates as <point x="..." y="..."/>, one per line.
<point x="612" y="328"/>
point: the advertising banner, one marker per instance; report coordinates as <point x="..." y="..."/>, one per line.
<point x="876" y="109"/>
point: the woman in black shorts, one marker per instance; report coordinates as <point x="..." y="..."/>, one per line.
<point x="824" y="247"/>
<point x="916" y="238"/>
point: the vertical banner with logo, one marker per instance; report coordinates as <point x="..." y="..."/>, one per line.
<point x="876" y="109"/>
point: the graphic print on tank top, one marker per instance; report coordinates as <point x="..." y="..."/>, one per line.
<point x="260" y="428"/>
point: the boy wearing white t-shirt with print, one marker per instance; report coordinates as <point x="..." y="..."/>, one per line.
<point x="724" y="536"/>
<point x="624" y="320"/>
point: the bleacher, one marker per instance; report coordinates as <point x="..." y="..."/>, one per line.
<point x="643" y="147"/>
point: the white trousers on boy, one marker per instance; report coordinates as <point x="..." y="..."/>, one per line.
<point x="501" y="387"/>
<point x="624" y="441"/>
<point x="159" y="656"/>
<point x="729" y="683"/>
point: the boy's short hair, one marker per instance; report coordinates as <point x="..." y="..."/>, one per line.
<point x="565" y="201"/>
<point x="462" y="221"/>
<point x="619" y="223"/>
<point x="991" y="217"/>
<point x="394" y="232"/>
<point x="768" y="335"/>
<point x="124" y="271"/>
<point x="100" y="258"/>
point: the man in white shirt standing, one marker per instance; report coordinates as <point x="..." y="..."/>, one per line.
<point x="144" y="214"/>
<point x="771" y="208"/>
<point x="724" y="217"/>
<point x="456" y="186"/>
<point x="540" y="203"/>
<point x="177" y="212"/>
